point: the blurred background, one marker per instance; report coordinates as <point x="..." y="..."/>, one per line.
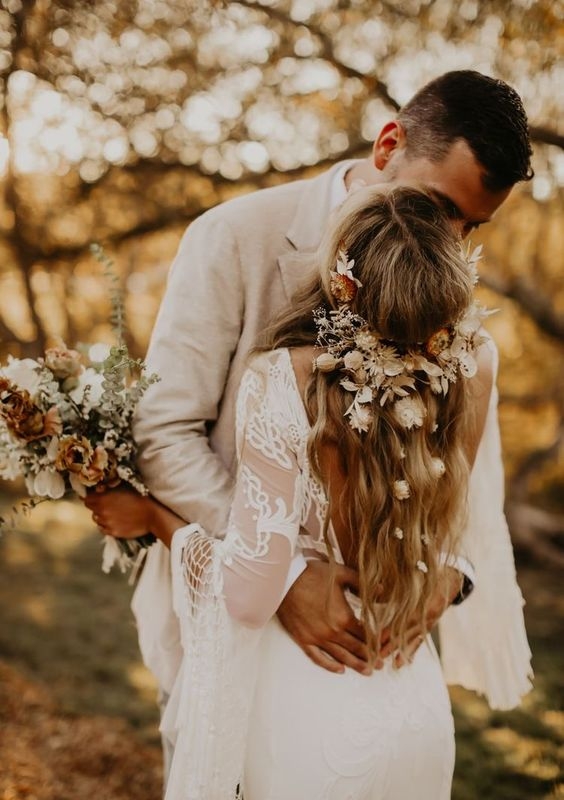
<point x="120" y="122"/>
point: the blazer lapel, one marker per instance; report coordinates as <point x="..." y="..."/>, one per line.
<point x="306" y="229"/>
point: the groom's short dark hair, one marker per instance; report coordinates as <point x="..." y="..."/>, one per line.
<point x="485" y="112"/>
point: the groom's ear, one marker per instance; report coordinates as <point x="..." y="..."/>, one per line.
<point x="390" y="139"/>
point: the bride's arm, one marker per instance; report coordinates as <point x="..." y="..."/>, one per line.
<point x="255" y="558"/>
<point x="263" y="524"/>
<point x="125" y="514"/>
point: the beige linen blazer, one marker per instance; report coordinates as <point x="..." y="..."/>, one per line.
<point x="237" y="265"/>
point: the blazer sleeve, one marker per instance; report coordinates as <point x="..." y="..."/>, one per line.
<point x="195" y="335"/>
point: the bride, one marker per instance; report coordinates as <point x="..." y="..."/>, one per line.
<point x="363" y="460"/>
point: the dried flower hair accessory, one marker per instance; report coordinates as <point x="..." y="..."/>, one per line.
<point x="374" y="368"/>
<point x="344" y="285"/>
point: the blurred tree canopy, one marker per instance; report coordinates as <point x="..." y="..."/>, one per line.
<point x="120" y="122"/>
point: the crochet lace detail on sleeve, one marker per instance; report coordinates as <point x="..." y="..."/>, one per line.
<point x="224" y="591"/>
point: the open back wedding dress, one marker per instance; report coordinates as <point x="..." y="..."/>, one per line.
<point x="249" y="712"/>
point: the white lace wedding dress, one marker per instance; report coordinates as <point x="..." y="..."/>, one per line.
<point x="249" y="711"/>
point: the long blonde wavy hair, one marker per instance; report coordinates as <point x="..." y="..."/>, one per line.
<point x="415" y="281"/>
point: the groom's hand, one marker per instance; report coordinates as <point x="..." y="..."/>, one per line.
<point x="318" y="617"/>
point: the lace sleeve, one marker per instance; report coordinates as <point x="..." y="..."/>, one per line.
<point x="265" y="515"/>
<point x="224" y="592"/>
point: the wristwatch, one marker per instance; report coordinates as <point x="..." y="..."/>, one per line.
<point x="465" y="590"/>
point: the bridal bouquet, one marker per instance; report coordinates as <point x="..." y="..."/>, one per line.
<point x="65" y="426"/>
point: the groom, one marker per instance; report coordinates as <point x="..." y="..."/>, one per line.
<point x="463" y="137"/>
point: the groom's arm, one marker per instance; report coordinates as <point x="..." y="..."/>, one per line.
<point x="194" y="338"/>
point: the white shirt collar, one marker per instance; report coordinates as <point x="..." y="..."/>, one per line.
<point x="338" y="191"/>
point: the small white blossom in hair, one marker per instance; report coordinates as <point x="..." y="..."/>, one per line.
<point x="326" y="362"/>
<point x="438" y="468"/>
<point x="398" y="533"/>
<point x="366" y="339"/>
<point x="360" y="418"/>
<point x="402" y="453"/>
<point x="354" y="360"/>
<point x="401" y="490"/>
<point x="425" y="539"/>
<point x="410" y="412"/>
<point x="472" y="256"/>
<point x="422" y="566"/>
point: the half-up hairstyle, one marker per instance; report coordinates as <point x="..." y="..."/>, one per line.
<point x="415" y="281"/>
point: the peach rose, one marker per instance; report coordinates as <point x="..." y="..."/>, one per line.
<point x="89" y="466"/>
<point x="74" y="453"/>
<point x="24" y="419"/>
<point x="93" y="472"/>
<point x="110" y="478"/>
<point x="62" y="362"/>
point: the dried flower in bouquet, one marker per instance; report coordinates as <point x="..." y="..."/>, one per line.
<point x="66" y="422"/>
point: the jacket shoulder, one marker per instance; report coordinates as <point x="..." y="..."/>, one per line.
<point x="248" y="211"/>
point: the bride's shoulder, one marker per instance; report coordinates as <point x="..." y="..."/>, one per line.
<point x="264" y="361"/>
<point x="301" y="360"/>
<point x="266" y="368"/>
<point x="281" y="371"/>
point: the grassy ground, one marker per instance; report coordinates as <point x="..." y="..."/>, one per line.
<point x="77" y="711"/>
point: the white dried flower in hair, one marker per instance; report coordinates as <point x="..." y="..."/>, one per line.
<point x="438" y="468"/>
<point x="354" y="360"/>
<point x="366" y="339"/>
<point x="401" y="490"/>
<point x="398" y="533"/>
<point x="410" y="412"/>
<point x="422" y="567"/>
<point x="360" y="417"/>
<point x="326" y="362"/>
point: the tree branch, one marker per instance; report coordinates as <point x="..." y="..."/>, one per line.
<point x="222" y="189"/>
<point x="25" y="252"/>
<point x="534" y="303"/>
<point x="537" y="532"/>
<point x="546" y="135"/>
<point x="377" y="87"/>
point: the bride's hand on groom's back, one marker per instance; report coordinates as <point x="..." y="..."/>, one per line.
<point x="318" y="617"/>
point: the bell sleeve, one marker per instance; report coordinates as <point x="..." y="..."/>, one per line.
<point x="224" y="593"/>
